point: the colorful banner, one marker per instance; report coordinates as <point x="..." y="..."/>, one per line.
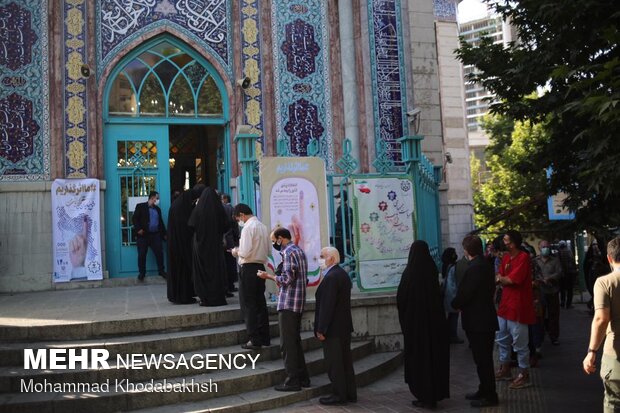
<point x="383" y="214"/>
<point x="76" y="229"/>
<point x="293" y="195"/>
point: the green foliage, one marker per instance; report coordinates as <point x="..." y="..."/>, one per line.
<point x="563" y="73"/>
<point x="515" y="188"/>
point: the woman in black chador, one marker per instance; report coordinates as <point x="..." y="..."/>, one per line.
<point x="180" y="281"/>
<point x="209" y="222"/>
<point x="423" y="322"/>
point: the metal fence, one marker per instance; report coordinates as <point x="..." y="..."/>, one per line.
<point x="425" y="176"/>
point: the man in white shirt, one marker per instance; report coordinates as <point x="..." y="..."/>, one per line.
<point x="252" y="254"/>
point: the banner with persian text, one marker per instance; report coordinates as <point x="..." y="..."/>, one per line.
<point x="76" y="230"/>
<point x="383" y="216"/>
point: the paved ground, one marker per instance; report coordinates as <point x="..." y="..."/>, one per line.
<point x="560" y="385"/>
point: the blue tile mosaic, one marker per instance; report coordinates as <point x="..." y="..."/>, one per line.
<point x="445" y="10"/>
<point x="24" y="96"/>
<point x="208" y="22"/>
<point x="388" y="74"/>
<point x="301" y="72"/>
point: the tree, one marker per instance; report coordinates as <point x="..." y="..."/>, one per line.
<point x="513" y="196"/>
<point x="564" y="74"/>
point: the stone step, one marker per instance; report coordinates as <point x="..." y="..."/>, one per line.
<point x="367" y="370"/>
<point x="12" y="354"/>
<point x="229" y="382"/>
<point x="210" y="317"/>
<point x="10" y="377"/>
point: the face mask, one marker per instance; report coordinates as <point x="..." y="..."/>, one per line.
<point x="322" y="264"/>
<point x="240" y="223"/>
<point x="156" y="202"/>
<point x="545" y="251"/>
<point x="276" y="246"/>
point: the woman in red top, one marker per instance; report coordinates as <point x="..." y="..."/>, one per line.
<point x="516" y="310"/>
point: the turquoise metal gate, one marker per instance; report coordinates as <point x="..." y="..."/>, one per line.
<point x="425" y="176"/>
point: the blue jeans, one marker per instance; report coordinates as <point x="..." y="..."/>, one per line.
<point x="516" y="336"/>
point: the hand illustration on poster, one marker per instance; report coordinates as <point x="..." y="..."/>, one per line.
<point x="75" y="205"/>
<point x="294" y="205"/>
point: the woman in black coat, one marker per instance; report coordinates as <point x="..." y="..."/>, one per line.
<point x="423" y="323"/>
<point x="210" y="223"/>
<point x="180" y="281"/>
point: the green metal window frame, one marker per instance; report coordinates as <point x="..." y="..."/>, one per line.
<point x="149" y="47"/>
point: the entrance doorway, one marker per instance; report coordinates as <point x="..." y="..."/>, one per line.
<point x="165" y="130"/>
<point x="194" y="156"/>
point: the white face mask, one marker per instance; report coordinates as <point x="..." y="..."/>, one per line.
<point x="240" y="222"/>
<point x="322" y="263"/>
<point x="156" y="203"/>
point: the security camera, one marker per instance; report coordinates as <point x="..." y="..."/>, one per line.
<point x="448" y="156"/>
<point x="85" y="71"/>
<point x="414" y="112"/>
<point x="244" y="83"/>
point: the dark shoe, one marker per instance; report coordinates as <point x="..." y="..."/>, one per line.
<point x="568" y="307"/>
<point x="555" y="342"/>
<point x="332" y="401"/>
<point x="305" y="383"/>
<point x="141" y="277"/>
<point x="424" y="405"/>
<point x="229" y="295"/>
<point x="352" y="400"/>
<point x="163" y="274"/>
<point x="473" y="396"/>
<point x="287" y="387"/>
<point x="250" y="346"/>
<point x="484" y="402"/>
<point x="456" y="341"/>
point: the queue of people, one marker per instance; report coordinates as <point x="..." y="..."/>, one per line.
<point x="209" y="240"/>
<point x="508" y="296"/>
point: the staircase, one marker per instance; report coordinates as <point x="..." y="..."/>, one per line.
<point x="220" y="332"/>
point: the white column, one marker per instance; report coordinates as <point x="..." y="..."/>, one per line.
<point x="349" y="81"/>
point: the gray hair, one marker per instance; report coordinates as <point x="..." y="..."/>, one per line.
<point x="331" y="252"/>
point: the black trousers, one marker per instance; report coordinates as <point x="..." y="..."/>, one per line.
<point x="482" y="349"/>
<point x="337" y="352"/>
<point x="290" y="345"/>
<point x="253" y="304"/>
<point x="153" y="240"/>
<point x="567" y="284"/>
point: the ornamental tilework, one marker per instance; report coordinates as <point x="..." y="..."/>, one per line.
<point x="301" y="72"/>
<point x="75" y="98"/>
<point x="445" y="10"/>
<point x="24" y="98"/>
<point x="251" y="58"/>
<point x="207" y="22"/>
<point x="388" y="74"/>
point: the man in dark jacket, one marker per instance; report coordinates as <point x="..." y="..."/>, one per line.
<point x="333" y="325"/>
<point x="474" y="298"/>
<point x="150" y="230"/>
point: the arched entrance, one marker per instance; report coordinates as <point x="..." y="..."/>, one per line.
<point x="165" y="112"/>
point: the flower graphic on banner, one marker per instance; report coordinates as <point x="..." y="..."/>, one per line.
<point x="391" y="195"/>
<point x="365" y="228"/>
<point x="374" y="217"/>
<point x="383" y="206"/>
